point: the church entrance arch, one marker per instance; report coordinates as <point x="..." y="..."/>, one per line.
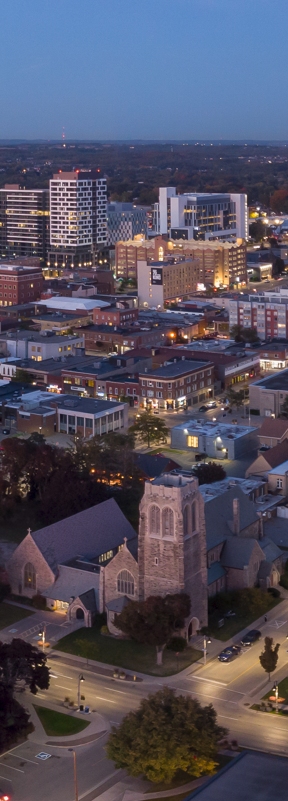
<point x="80" y="613"/>
<point x="193" y="627"/>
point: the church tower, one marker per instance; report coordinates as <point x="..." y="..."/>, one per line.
<point x="172" y="543"/>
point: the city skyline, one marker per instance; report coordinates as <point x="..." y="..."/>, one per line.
<point x="167" y="70"/>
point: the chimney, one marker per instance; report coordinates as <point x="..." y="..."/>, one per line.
<point x="236" y="516"/>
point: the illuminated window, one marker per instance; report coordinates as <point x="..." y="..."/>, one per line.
<point x="30" y="576"/>
<point x="192" y="442"/>
<point x="105" y="556"/>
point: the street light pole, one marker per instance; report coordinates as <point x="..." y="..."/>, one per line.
<point x="80" y="678"/>
<point x="276" y="690"/>
<point x="75" y="772"/>
<point x="205" y="643"/>
<point x="42" y="634"/>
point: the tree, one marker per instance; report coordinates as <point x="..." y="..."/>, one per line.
<point x="22" y="377"/>
<point x="14" y="720"/>
<point x="235" y="398"/>
<point x="208" y="473"/>
<point x="154" y="620"/>
<point x="149" y="430"/>
<point x="257" y="230"/>
<point x="279" y="201"/>
<point x="236" y="332"/>
<point x="284" y="407"/>
<point x="21" y="661"/>
<point x="241" y="334"/>
<point x="278" y="266"/>
<point x="269" y="657"/>
<point x="166" y="734"/>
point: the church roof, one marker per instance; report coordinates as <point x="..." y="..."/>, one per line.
<point x="117" y="604"/>
<point x="237" y="552"/>
<point x="219" y="513"/>
<point x="87" y="534"/>
<point x="71" y="583"/>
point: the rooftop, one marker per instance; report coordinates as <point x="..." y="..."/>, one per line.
<point x="72" y="304"/>
<point x="251" y="775"/>
<point x="36" y="336"/>
<point x="210" y="429"/>
<point x="176" y="480"/>
<point x="280" y="470"/>
<point x="247" y="485"/>
<point x="273" y="427"/>
<point x="175" y="369"/>
<point x="85" y="405"/>
<point x="274" y="382"/>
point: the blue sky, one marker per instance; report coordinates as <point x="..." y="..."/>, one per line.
<point x="149" y="69"/>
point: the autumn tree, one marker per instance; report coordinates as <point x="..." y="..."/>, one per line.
<point x="19" y="662"/>
<point x="208" y="473"/>
<point x="166" y="734"/>
<point x="154" y="620"/>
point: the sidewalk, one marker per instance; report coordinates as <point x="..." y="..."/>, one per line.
<point x="96" y="729"/>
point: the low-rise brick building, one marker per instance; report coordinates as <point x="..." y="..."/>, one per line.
<point x="177" y="384"/>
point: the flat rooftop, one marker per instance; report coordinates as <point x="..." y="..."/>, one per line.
<point x="72" y="304"/>
<point x="36" y="336"/>
<point x="250" y="776"/>
<point x="174" y="480"/>
<point x="175" y="369"/>
<point x="215" y="429"/>
<point x="247" y="485"/>
<point x="278" y="381"/>
<point x="85" y="405"/>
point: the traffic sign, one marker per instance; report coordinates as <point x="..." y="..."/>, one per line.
<point x="43" y="755"/>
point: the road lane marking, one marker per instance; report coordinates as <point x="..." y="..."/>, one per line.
<point x="117" y="691"/>
<point x="6" y="779"/>
<point x="10" y="768"/>
<point x="226" y="717"/>
<point x="62" y="687"/>
<point x="244" y="671"/>
<point x="62" y="676"/>
<point x="23" y="758"/>
<point x="105" y="699"/>
<point x="215" y="697"/>
<point x="99" y="760"/>
<point x="202" y="678"/>
<point x="225" y="685"/>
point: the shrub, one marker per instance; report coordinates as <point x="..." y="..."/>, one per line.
<point x="38" y="601"/>
<point x="177" y="644"/>
<point x="274" y="592"/>
<point x="99" y="620"/>
<point x="104" y="630"/>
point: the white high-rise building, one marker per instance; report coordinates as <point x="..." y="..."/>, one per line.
<point x="78" y="216"/>
<point x="200" y="215"/>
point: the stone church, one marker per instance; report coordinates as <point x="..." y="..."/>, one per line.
<point x="94" y="561"/>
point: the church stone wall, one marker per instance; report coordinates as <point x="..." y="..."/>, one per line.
<point x="27" y="551"/>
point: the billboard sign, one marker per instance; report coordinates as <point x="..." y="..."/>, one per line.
<point x="156" y="276"/>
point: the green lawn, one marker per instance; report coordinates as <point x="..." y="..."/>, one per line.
<point x="126" y="653"/>
<point x="56" y="724"/>
<point x="232" y="625"/>
<point x="11" y="614"/>
<point x="282" y="690"/>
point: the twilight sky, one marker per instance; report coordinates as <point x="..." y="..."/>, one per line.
<point x="149" y="69"/>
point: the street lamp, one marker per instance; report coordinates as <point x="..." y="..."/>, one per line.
<point x="42" y="634"/>
<point x="75" y="772"/>
<point x="80" y="678"/>
<point x="206" y="642"/>
<point x="276" y="691"/>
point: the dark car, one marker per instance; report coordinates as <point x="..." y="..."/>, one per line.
<point x="229" y="653"/>
<point x="251" y="637"/>
<point x="5" y="431"/>
<point x="203" y="408"/>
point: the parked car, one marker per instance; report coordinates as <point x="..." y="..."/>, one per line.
<point x="229" y="653"/>
<point x="212" y="405"/>
<point x="251" y="637"/>
<point x="203" y="408"/>
<point x="5" y="431"/>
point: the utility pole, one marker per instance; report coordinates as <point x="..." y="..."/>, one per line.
<point x="75" y="772"/>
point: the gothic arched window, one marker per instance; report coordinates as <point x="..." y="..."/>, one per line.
<point x="167" y="522"/>
<point x="194" y="516"/>
<point x="154" y="520"/>
<point x="186" y="521"/>
<point x="30" y="576"/>
<point x="125" y="583"/>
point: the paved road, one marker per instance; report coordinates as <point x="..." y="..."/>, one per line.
<point x="227" y="686"/>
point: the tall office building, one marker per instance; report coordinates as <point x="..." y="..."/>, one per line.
<point x="124" y="221"/>
<point x="78" y="224"/>
<point x="200" y="215"/>
<point x="24" y="222"/>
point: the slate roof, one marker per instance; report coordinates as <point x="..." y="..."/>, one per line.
<point x="219" y="512"/>
<point x="89" y="534"/>
<point x="276" y="455"/>
<point x="117" y="604"/>
<point x="271" y="550"/>
<point x="89" y="601"/>
<point x="71" y="583"/>
<point x="214" y="572"/>
<point x="273" y="427"/>
<point x="154" y="465"/>
<point x="237" y="552"/>
<point x="277" y="530"/>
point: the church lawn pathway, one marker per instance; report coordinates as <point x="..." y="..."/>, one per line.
<point x="11" y="614"/>
<point x="126" y="653"/>
<point x="57" y="724"/>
